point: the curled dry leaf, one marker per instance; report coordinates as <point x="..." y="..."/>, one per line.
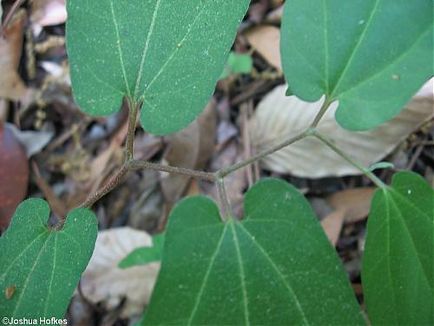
<point x="12" y="87"/>
<point x="103" y="282"/>
<point x="278" y="117"/>
<point x="14" y="174"/>
<point x="266" y="40"/>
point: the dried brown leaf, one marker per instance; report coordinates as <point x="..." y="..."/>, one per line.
<point x="332" y="225"/>
<point x="354" y="202"/>
<point x="12" y="87"/>
<point x="266" y="40"/>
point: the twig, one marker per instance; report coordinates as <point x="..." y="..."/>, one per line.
<point x="225" y="171"/>
<point x="347" y="158"/>
<point x="226" y="210"/>
<point x="139" y="164"/>
<point x="114" y="181"/>
<point x="132" y="121"/>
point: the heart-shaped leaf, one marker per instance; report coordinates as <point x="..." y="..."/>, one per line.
<point x="40" y="267"/>
<point x="398" y="265"/>
<point x="166" y="54"/>
<point x="276" y="267"/>
<point x="370" y="55"/>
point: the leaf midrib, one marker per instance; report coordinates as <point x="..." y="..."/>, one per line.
<point x="410" y="236"/>
<point x="135" y="96"/>
<point x="146" y="47"/>
<point x="355" y="49"/>
<point x="278" y="272"/>
<point x="26" y="280"/>
<point x="205" y="279"/>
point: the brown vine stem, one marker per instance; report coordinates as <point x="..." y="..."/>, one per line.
<point x="226" y="210"/>
<point x="139" y="164"/>
<point x="347" y="158"/>
<point x="113" y="182"/>
<point x="132" y="121"/>
<point x="225" y="171"/>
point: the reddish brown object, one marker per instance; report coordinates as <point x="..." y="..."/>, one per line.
<point x="14" y="175"/>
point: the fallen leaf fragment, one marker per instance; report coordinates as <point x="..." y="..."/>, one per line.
<point x="104" y="282"/>
<point x="350" y="206"/>
<point x="354" y="202"/>
<point x="266" y="40"/>
<point x="47" y="13"/>
<point x="32" y="141"/>
<point x="279" y="117"/>
<point x="332" y="225"/>
<point x="12" y="87"/>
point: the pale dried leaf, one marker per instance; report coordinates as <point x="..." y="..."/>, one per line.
<point x="332" y="225"/>
<point x="103" y="282"/>
<point x="266" y="40"/>
<point x="32" y="141"/>
<point x="278" y="117"/>
<point x="47" y="13"/>
<point x="12" y="87"/>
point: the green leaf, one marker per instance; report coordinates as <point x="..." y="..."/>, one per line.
<point x="276" y="267"/>
<point x="370" y="55"/>
<point x="398" y="270"/>
<point x="145" y="255"/>
<point x="40" y="267"/>
<point x="166" y="54"/>
<point x="237" y="64"/>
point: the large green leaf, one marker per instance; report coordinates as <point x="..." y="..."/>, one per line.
<point x="276" y="267"/>
<point x="398" y="265"/>
<point x="370" y="55"/>
<point x="168" y="54"/>
<point x="40" y="267"/>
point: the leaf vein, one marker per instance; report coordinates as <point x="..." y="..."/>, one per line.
<point x="119" y="48"/>
<point x="205" y="279"/>
<point x="146" y="47"/>
<point x="278" y="272"/>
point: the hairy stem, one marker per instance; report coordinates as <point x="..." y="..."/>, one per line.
<point x="320" y="114"/>
<point x="114" y="181"/>
<point x="347" y="158"/>
<point x="132" y="121"/>
<point x="139" y="164"/>
<point x="226" y="210"/>
<point x="225" y="171"/>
